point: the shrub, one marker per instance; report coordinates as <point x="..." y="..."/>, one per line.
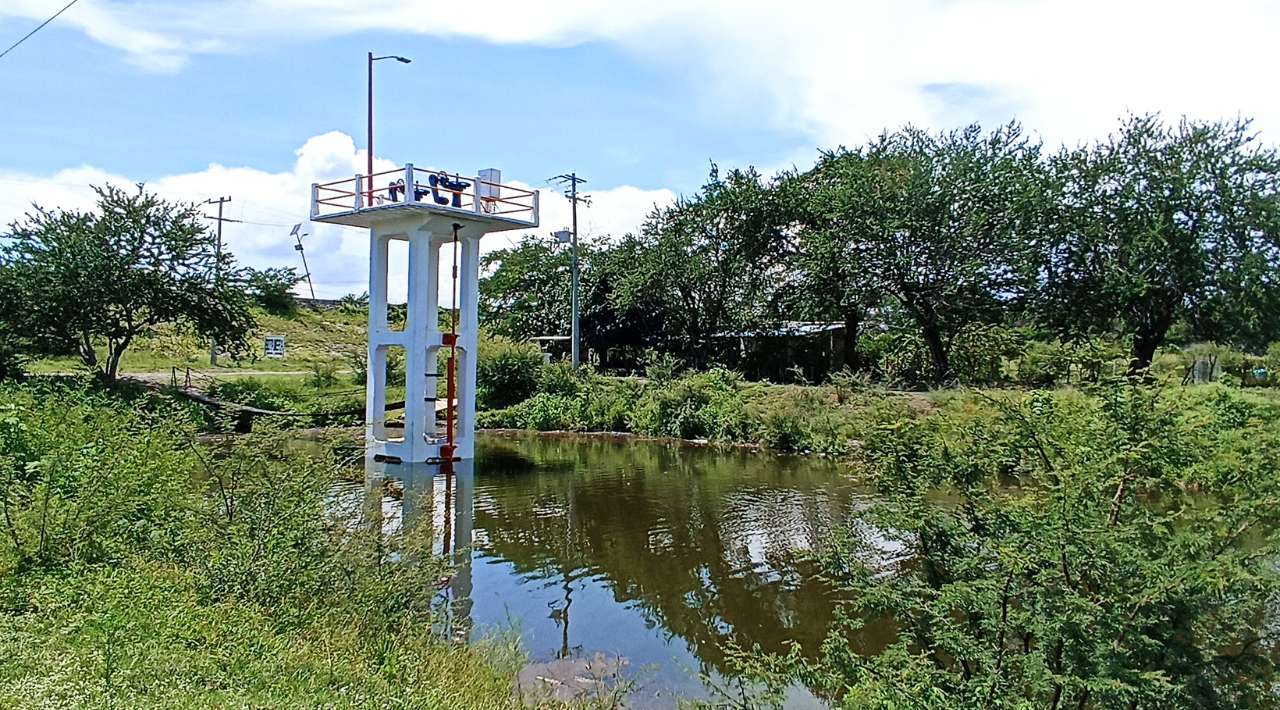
<point x="254" y="392"/>
<point x="358" y="361"/>
<point x="323" y="375"/>
<point x="507" y="372"/>
<point x="706" y="405"/>
<point x="140" y="568"/>
<point x="1042" y="364"/>
<point x="272" y="289"/>
<point x="13" y="362"/>
<point x="549" y="412"/>
<point x="1096" y="581"/>
<point x="978" y="352"/>
<point x="560" y="378"/>
<point x="661" y="367"/>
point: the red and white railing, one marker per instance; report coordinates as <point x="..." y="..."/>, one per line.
<point x="480" y="194"/>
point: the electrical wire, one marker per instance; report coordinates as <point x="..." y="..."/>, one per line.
<point x="38" y="28"/>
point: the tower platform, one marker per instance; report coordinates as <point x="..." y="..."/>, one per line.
<point x="361" y="201"/>
<point x="427" y="209"/>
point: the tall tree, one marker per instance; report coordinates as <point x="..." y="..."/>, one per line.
<point x="272" y="289"/>
<point x="86" y="279"/>
<point x="1162" y="224"/>
<point x="937" y="222"/>
<point x="525" y="291"/>
<point x="711" y="260"/>
<point x="826" y="279"/>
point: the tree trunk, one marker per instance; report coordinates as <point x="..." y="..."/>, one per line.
<point x="114" y="354"/>
<point x="937" y="352"/>
<point x="87" y="354"/>
<point x="1144" y="351"/>
<point x="852" y="325"/>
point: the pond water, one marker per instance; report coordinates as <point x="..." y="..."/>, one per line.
<point x="646" y="558"/>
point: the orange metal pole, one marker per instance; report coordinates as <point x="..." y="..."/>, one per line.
<point x="451" y="386"/>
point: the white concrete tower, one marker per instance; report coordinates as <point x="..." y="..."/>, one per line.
<point x="429" y="210"/>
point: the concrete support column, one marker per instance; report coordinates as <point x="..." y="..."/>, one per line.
<point x="376" y="362"/>
<point x="468" y="335"/>
<point x="431" y="339"/>
<point x="417" y="410"/>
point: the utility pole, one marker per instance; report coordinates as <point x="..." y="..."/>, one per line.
<point x="217" y="266"/>
<point x="571" y="192"/>
<point x="305" y="269"/>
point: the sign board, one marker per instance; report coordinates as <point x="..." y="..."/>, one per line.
<point x="273" y="346"/>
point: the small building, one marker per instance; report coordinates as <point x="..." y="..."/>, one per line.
<point x="553" y="347"/>
<point x="816" y="348"/>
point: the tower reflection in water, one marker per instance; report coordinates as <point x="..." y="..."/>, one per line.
<point x="399" y="496"/>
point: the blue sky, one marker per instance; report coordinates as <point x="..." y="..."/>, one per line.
<point x="535" y="111"/>
<point x="256" y="98"/>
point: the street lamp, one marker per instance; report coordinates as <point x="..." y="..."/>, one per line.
<point x="372" y="59"/>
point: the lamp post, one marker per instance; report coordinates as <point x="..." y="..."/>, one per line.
<point x="369" y="174"/>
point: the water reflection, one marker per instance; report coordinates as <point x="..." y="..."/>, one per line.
<point x="658" y="557"/>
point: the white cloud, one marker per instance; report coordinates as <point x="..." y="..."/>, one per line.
<point x="267" y="204"/>
<point x="835" y="70"/>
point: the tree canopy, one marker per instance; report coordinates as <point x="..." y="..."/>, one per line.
<point x="137" y="261"/>
<point x="943" y="243"/>
<point x="1163" y="224"/>
<point x="936" y="222"/>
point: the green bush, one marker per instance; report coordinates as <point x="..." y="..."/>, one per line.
<point x="551" y="412"/>
<point x="706" y="405"/>
<point x="1042" y="364"/>
<point x="507" y="372"/>
<point x="13" y="361"/>
<point x="978" y="353"/>
<point x="560" y="378"/>
<point x="1097" y="580"/>
<point x="254" y="392"/>
<point x="323" y="375"/>
<point x="86" y="480"/>
<point x="661" y="367"/>
<point x="141" y="568"/>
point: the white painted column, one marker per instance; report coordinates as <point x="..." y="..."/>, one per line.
<point x="376" y="363"/>
<point x="416" y="408"/>
<point x="431" y="338"/>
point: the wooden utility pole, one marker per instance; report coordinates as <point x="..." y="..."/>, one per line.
<point x="298" y="234"/>
<point x="217" y="266"/>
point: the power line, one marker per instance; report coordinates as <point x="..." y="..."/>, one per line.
<point x="37" y="29"/>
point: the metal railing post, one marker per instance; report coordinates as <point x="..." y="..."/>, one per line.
<point x="410" y="190"/>
<point x="315" y="200"/>
<point x="359" y="191"/>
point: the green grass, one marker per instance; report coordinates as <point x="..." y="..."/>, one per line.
<point x="142" y="568"/>
<point x="310" y="336"/>
<point x="145" y="635"/>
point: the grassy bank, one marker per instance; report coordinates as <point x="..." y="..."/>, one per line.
<point x="332" y="337"/>
<point x="139" y="568"/>
<point x="716" y="405"/>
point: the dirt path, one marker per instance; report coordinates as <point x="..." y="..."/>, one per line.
<point x="164" y="377"/>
